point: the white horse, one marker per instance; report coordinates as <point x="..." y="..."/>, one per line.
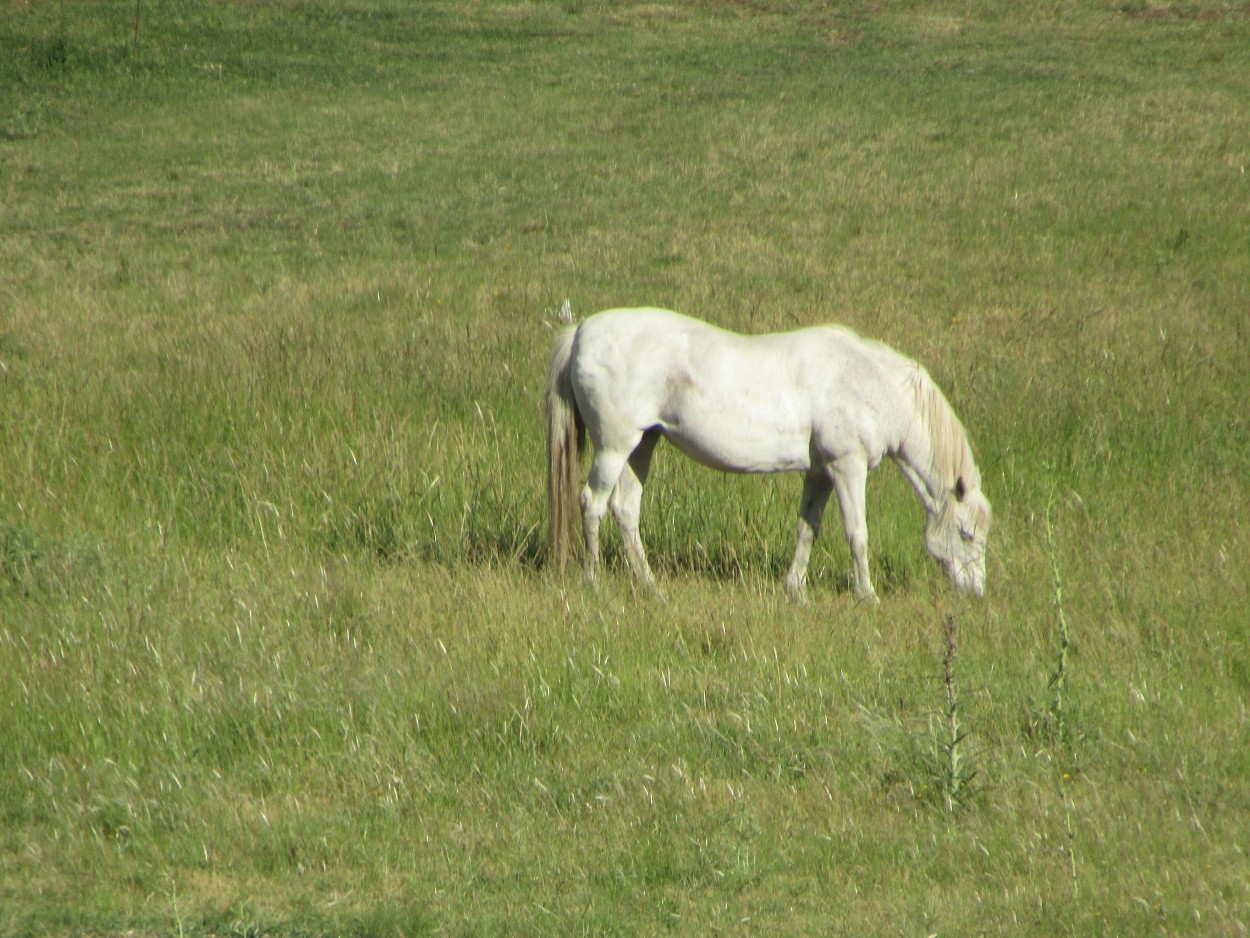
<point x="822" y="401"/>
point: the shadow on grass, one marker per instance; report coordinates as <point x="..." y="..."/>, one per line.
<point x="389" y="529"/>
<point x="32" y="563"/>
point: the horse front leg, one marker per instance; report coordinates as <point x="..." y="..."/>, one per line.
<point x="816" y="489"/>
<point x="850" y="478"/>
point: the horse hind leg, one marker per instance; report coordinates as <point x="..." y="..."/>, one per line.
<point x="816" y="489"/>
<point x="605" y="473"/>
<point x="626" y="504"/>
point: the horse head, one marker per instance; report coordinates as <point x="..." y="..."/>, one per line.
<point x="956" y="535"/>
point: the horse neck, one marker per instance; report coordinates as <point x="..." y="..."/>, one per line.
<point x="934" y="450"/>
<point x="913" y="458"/>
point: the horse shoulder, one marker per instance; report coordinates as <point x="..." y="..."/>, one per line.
<point x="858" y="408"/>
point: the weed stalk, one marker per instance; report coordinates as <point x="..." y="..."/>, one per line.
<point x="1059" y="677"/>
<point x="138" y="11"/>
<point x="956" y="782"/>
<point x="1059" y="684"/>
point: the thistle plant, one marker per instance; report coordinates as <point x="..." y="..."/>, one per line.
<point x="1058" y="686"/>
<point x="956" y="775"/>
<point x="1059" y="677"/>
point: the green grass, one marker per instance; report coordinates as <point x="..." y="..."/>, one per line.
<point x="278" y="653"/>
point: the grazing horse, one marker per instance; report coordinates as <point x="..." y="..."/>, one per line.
<point x="822" y="401"/>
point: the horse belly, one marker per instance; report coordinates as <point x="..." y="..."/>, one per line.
<point x="741" y="442"/>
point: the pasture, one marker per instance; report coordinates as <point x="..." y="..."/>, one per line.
<point x="279" y="654"/>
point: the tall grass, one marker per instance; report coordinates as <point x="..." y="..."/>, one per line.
<point x="278" y="653"/>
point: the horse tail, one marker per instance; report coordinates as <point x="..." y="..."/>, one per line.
<point x="566" y="439"/>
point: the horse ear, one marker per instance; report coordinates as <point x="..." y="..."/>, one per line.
<point x="960" y="489"/>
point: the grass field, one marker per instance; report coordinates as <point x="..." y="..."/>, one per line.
<point x="278" y="652"/>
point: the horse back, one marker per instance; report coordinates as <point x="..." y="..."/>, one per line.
<point x="741" y="403"/>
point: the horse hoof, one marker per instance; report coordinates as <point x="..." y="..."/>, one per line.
<point x="796" y="592"/>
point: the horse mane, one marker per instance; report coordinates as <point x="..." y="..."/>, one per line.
<point x="950" y="453"/>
